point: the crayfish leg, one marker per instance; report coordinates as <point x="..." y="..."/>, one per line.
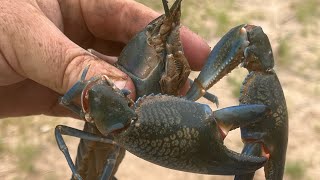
<point x="65" y="130"/>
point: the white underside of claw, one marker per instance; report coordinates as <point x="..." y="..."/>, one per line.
<point x="244" y="36"/>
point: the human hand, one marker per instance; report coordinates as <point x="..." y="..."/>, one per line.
<point x="43" y="42"/>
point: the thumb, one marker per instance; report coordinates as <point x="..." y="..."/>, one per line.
<point x="78" y="59"/>
<point x="37" y="49"/>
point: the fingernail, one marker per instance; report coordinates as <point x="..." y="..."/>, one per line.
<point x="120" y="84"/>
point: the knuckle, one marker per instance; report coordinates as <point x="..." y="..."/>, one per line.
<point x="74" y="61"/>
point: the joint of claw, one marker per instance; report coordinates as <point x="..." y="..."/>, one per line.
<point x="265" y="151"/>
<point x="200" y="87"/>
<point x="224" y="130"/>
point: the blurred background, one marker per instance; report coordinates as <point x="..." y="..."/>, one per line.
<point x="28" y="149"/>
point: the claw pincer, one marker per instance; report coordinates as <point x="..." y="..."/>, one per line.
<point x="262" y="86"/>
<point x="268" y="136"/>
<point x="224" y="57"/>
<point x="184" y="135"/>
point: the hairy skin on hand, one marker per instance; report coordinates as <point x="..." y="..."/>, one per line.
<point x="43" y="48"/>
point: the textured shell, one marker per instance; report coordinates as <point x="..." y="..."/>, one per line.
<point x="172" y="132"/>
<point x="265" y="88"/>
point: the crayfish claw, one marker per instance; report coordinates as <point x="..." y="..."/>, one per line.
<point x="224" y="57"/>
<point x="238" y="116"/>
<point x="235" y="163"/>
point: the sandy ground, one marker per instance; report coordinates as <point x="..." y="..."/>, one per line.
<point x="28" y="149"/>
